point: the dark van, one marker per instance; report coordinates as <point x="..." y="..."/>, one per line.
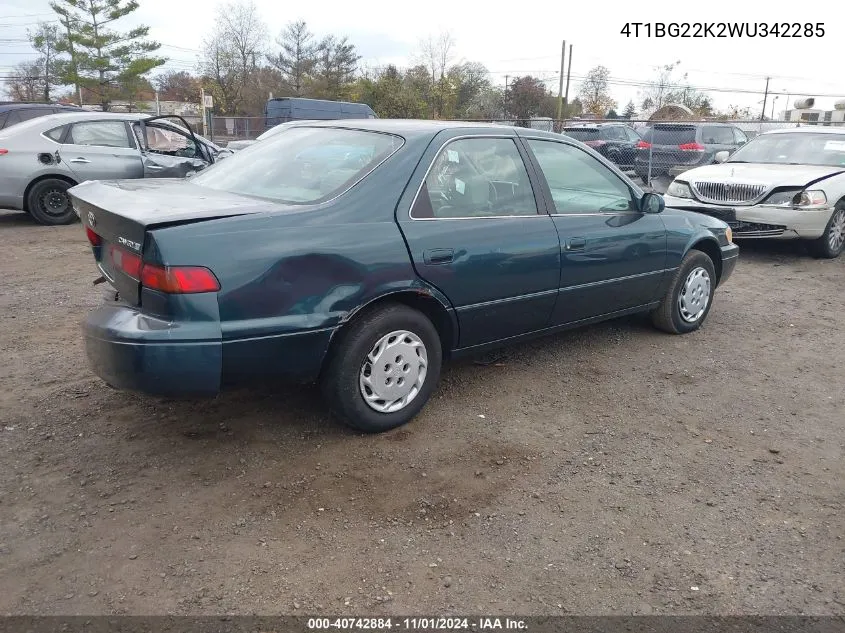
<point x="286" y="109"/>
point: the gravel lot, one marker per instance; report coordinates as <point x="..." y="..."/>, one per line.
<point x="612" y="469"/>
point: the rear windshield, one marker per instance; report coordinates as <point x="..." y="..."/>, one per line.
<point x="305" y="165"/>
<point x="582" y="134"/>
<point x="669" y="134"/>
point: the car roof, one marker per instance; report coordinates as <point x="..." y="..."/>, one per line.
<point x="573" y="126"/>
<point x="420" y="127"/>
<point x="808" y="129"/>
<point x="6" y="106"/>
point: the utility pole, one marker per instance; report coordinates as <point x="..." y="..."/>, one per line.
<point x="505" y="98"/>
<point x="568" y="74"/>
<point x="202" y="112"/>
<point x="765" y="98"/>
<point x="560" y="84"/>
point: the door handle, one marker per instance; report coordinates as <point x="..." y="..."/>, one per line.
<point x="576" y="244"/>
<point x="80" y="159"/>
<point x="436" y="256"/>
<point x="153" y="167"/>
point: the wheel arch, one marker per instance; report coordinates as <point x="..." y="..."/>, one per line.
<point x="41" y="178"/>
<point x="423" y="300"/>
<point x="710" y="247"/>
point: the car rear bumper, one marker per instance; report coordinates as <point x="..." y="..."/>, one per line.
<point x="761" y="221"/>
<point x="137" y="352"/>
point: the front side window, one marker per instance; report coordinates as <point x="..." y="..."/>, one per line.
<point x="474" y="178"/>
<point x="99" y="133"/>
<point x="578" y="182"/>
<point x="303" y="165"/>
<point x="717" y="135"/>
<point x="166" y="140"/>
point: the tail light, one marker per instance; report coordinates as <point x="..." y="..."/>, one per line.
<point x="691" y="147"/>
<point x="3" y="151"/>
<point x="95" y="239"/>
<point x="643" y="145"/>
<point x="169" y="279"/>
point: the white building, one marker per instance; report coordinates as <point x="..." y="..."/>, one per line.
<point x="805" y="112"/>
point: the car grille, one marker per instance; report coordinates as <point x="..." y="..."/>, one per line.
<point x="756" y="229"/>
<point x="728" y="192"/>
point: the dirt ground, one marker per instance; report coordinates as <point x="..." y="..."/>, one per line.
<point x="609" y="470"/>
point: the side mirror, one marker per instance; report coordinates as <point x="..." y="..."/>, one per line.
<point x="722" y="156"/>
<point x="652" y="203"/>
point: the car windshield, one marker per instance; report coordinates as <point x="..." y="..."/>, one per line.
<point x="302" y="166"/>
<point x="794" y="149"/>
<point x="582" y="134"/>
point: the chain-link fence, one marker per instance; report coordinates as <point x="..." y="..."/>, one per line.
<point x="651" y="152"/>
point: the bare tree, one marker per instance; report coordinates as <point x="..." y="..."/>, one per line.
<point x="45" y="39"/>
<point x="296" y="57"/>
<point x="25" y="82"/>
<point x="437" y="53"/>
<point x="231" y="55"/>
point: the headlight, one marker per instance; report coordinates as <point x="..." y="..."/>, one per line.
<point x="796" y="198"/>
<point x="811" y="198"/>
<point x="679" y="189"/>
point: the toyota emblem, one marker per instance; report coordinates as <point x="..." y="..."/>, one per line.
<point x="92" y="221"/>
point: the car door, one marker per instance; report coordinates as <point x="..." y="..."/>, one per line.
<point x="101" y="150"/>
<point x="169" y="151"/>
<point x="474" y="230"/>
<point x="632" y="141"/>
<point x="612" y="255"/>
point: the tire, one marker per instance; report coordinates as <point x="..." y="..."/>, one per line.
<point x="697" y="269"/>
<point x="832" y="242"/>
<point x="49" y="203"/>
<point x="345" y="382"/>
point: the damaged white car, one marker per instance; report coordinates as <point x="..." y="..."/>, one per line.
<point x="784" y="184"/>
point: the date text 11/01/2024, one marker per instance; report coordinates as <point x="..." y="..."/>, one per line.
<point x="723" y="29"/>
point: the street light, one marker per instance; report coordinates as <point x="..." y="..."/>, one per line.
<point x="774" y="101"/>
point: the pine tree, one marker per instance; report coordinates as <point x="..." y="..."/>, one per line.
<point x="630" y="111"/>
<point x="103" y="60"/>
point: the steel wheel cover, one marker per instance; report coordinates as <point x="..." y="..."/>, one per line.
<point x="695" y="295"/>
<point x="394" y="371"/>
<point x="54" y="202"/>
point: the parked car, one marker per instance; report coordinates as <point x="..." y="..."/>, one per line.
<point x="784" y="184"/>
<point x="673" y="148"/>
<point x="284" y="109"/>
<point x="42" y="158"/>
<point x="238" y="145"/>
<point x="15" y="112"/>
<point x="285" y="263"/>
<point x="615" y="141"/>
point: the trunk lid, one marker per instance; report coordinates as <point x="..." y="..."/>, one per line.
<point x="121" y="212"/>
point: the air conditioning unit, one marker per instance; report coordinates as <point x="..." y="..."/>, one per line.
<point x="839" y="105"/>
<point x="803" y="104"/>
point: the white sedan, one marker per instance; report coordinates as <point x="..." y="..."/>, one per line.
<point x="784" y="184"/>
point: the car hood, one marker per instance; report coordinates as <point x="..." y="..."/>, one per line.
<point x="762" y="174"/>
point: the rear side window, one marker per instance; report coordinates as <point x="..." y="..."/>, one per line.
<point x="99" y="133"/>
<point x="304" y="165"/>
<point x="56" y="133"/>
<point x="33" y="113"/>
<point x="3" y="120"/>
<point x="717" y="135"/>
<point x="476" y="178"/>
<point x="669" y="134"/>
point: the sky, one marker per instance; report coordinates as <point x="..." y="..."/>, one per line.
<point x="732" y="70"/>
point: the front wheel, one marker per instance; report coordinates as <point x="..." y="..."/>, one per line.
<point x="832" y="242"/>
<point x="689" y="297"/>
<point x="383" y="369"/>
<point x="48" y="202"/>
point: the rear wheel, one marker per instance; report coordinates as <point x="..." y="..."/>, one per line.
<point x="49" y="203"/>
<point x="832" y="242"/>
<point x="383" y="369"/>
<point x="689" y="297"/>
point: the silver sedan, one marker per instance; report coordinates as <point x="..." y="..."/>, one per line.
<point x="42" y="158"/>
